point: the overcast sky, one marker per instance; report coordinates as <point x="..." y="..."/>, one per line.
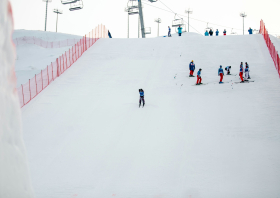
<point x="221" y="14"/>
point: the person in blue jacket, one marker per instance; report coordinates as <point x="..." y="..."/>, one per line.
<point x="221" y="74"/>
<point x="250" y="31"/>
<point x="198" y="82"/>
<point x="169" y="31"/>
<point x="179" y="30"/>
<point x="206" y="33"/>
<point x="141" y="92"/>
<point x="192" y="68"/>
<point x="217" y="32"/>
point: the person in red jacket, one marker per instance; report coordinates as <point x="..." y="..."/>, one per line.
<point x="241" y="73"/>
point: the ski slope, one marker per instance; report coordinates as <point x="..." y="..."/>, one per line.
<point x="87" y="137"/>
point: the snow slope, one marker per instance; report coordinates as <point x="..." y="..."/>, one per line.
<point x="47" y="36"/>
<point x="276" y="42"/>
<point x="31" y="59"/>
<point x="14" y="174"/>
<point x="86" y="136"/>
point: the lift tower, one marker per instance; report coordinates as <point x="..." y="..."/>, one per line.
<point x="141" y="19"/>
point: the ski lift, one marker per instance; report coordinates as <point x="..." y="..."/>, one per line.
<point x="64" y="2"/>
<point x="208" y="28"/>
<point x="256" y="31"/>
<point x="232" y="32"/>
<point x="147" y="30"/>
<point x="131" y="11"/>
<point x="177" y="22"/>
<point x="132" y="4"/>
<point x="76" y="6"/>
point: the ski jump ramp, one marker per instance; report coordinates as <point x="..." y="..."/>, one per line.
<point x="86" y="136"/>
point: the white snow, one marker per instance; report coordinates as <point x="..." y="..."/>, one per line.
<point x="276" y="43"/>
<point x="31" y="59"/>
<point x="14" y="174"/>
<point x="86" y="136"/>
<point x="47" y="36"/>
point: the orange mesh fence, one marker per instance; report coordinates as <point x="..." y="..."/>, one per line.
<point x="271" y="48"/>
<point x="39" y="82"/>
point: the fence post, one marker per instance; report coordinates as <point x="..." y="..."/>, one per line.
<point x="85" y="43"/>
<point x="22" y="95"/>
<point x="57" y="67"/>
<point x="29" y="90"/>
<point x="42" y="79"/>
<point x="36" y="84"/>
<point x="48" y="75"/>
<point x="66" y="61"/>
<point x="52" y="72"/>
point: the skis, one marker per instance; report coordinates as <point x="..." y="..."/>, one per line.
<point x="200" y="84"/>
<point x="247" y="81"/>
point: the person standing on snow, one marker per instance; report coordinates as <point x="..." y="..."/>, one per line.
<point x="247" y="65"/>
<point x="217" y="32"/>
<point x="169" y="31"/>
<point x="211" y="32"/>
<point x="241" y="73"/>
<point x="246" y="73"/>
<point x="198" y="82"/>
<point x="141" y="92"/>
<point x="221" y="74"/>
<point x="225" y="32"/>
<point x="179" y="30"/>
<point x="206" y="33"/>
<point x="228" y="68"/>
<point x="192" y="68"/>
<point x="250" y="31"/>
<point x="109" y="34"/>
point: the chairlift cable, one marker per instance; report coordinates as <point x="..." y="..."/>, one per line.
<point x="191" y="17"/>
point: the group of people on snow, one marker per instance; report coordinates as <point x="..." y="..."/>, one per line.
<point x="221" y="72"/>
<point x="217" y="32"/>
<point x="224" y="32"/>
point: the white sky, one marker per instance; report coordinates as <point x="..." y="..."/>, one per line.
<point x="30" y="15"/>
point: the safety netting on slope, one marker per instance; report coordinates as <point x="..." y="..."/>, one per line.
<point x="39" y="82"/>
<point x="44" y="44"/>
<point x="271" y="48"/>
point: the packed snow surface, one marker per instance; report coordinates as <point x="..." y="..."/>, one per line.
<point x="46" y="36"/>
<point x="276" y="43"/>
<point x="87" y="137"/>
<point x="14" y="174"/>
<point x="31" y="59"/>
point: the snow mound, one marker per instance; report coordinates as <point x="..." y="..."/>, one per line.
<point x="47" y="36"/>
<point x="14" y="174"/>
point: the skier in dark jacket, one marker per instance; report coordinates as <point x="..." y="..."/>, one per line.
<point x="250" y="31"/>
<point x="109" y="34"/>
<point x="211" y="32"/>
<point x="141" y="92"/>
<point x="169" y="31"/>
<point x="192" y="68"/>
<point x="217" y="32"/>
<point x="225" y="32"/>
